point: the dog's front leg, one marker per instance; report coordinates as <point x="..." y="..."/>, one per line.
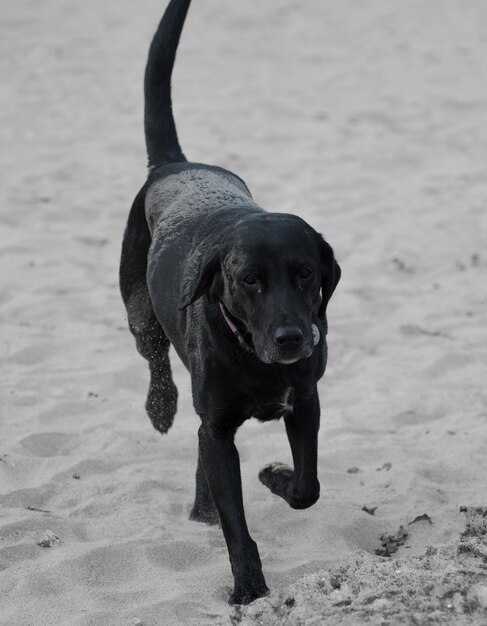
<point x="221" y="464"/>
<point x="299" y="487"/>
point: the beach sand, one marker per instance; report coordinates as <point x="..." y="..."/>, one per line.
<point x="369" y="120"/>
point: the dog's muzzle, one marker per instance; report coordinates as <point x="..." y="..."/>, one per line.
<point x="288" y="341"/>
<point x="291" y="345"/>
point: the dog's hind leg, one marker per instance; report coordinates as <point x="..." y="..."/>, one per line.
<point x="153" y="345"/>
<point x="150" y="338"/>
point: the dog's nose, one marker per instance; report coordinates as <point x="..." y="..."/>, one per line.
<point x="288" y="336"/>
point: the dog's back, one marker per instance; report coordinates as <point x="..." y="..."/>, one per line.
<point x="187" y="192"/>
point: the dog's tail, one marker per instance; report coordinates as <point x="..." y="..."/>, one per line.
<point x="160" y="130"/>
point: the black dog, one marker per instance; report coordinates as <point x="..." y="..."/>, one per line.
<point x="254" y="344"/>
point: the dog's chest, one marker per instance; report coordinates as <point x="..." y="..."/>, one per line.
<point x="274" y="405"/>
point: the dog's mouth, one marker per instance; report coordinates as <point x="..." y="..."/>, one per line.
<point x="289" y="361"/>
<point x="293" y="357"/>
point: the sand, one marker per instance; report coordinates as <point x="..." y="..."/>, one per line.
<point x="370" y="121"/>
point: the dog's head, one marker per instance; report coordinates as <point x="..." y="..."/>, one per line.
<point x="274" y="275"/>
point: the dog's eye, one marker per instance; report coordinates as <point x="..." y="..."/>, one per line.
<point x="249" y="279"/>
<point x="304" y="273"/>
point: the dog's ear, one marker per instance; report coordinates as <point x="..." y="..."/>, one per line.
<point x="203" y="275"/>
<point x="330" y="275"/>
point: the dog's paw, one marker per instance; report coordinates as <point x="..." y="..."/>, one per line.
<point x="161" y="406"/>
<point x="252" y="590"/>
<point x="276" y="477"/>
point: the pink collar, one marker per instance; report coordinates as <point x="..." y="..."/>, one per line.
<point x="229" y="322"/>
<point x="246" y="345"/>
